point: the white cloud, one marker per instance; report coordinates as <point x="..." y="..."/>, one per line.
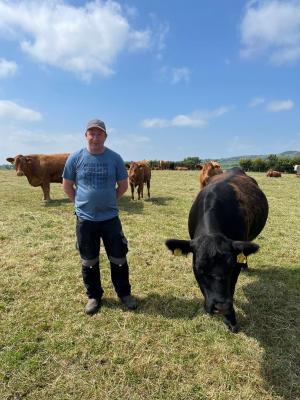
<point x="256" y="102"/>
<point x="14" y="112"/>
<point x="7" y="68"/>
<point x="16" y="140"/>
<point x="272" y="28"/>
<point x="196" y="119"/>
<point x="175" y="75"/>
<point x="280" y="105"/>
<point x="160" y="32"/>
<point x="181" y="74"/>
<point x="85" y="40"/>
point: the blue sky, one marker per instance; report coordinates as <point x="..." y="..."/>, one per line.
<point x="171" y="78"/>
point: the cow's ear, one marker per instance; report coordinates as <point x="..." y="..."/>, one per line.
<point x="28" y="159"/>
<point x="179" y="246"/>
<point x="10" y="159"/>
<point x="246" y="248"/>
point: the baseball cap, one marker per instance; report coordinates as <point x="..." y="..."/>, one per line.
<point x="96" y="123"/>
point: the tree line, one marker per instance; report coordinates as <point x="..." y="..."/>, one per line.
<point x="282" y="164"/>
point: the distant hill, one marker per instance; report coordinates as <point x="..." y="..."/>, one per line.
<point x="234" y="161"/>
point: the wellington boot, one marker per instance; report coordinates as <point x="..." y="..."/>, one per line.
<point x="92" y="306"/>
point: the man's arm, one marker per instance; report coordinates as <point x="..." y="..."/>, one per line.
<point x="68" y="187"/>
<point x="122" y="186"/>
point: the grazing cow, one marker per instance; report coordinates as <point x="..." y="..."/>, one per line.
<point x="273" y="174"/>
<point x="297" y="169"/>
<point x="181" y="168"/>
<point x="40" y="169"/>
<point x="225" y="217"/>
<point x="209" y="169"/>
<point x="164" y="164"/>
<point x="139" y="173"/>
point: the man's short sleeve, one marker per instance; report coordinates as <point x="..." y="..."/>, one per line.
<point x="69" y="171"/>
<point x="121" y="169"/>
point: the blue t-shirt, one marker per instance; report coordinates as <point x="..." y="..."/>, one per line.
<point x="95" y="177"/>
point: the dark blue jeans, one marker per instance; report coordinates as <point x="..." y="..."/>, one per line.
<point x="88" y="235"/>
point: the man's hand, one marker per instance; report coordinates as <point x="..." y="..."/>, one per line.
<point x="122" y="186"/>
<point x="68" y="187"/>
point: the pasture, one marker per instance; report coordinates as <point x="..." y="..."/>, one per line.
<point x="169" y="348"/>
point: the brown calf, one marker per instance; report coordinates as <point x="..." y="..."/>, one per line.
<point x="209" y="169"/>
<point x="273" y="174"/>
<point x="181" y="168"/>
<point x="139" y="173"/>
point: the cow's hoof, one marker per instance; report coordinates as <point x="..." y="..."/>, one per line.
<point x="232" y="328"/>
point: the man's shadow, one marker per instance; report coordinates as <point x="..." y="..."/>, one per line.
<point x="272" y="317"/>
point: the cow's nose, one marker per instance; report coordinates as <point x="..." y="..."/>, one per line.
<point x="20" y="173"/>
<point x="223" y="307"/>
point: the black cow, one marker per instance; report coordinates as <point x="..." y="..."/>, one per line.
<point x="225" y="217"/>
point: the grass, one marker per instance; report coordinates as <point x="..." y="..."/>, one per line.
<point x="168" y="349"/>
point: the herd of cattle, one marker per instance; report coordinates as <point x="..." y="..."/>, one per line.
<point x="229" y="212"/>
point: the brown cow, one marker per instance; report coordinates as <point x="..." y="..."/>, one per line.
<point x="273" y="174"/>
<point x="139" y="173"/>
<point x="164" y="164"/>
<point x="209" y="169"/>
<point x="40" y="169"/>
<point x="181" y="168"/>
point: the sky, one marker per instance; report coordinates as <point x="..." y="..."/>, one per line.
<point x="170" y="78"/>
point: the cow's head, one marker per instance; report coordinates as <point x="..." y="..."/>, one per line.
<point x="21" y="163"/>
<point x="135" y="169"/>
<point x="215" y="267"/>
<point x="208" y="170"/>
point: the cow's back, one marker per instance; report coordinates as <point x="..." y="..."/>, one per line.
<point x="48" y="167"/>
<point x="232" y="204"/>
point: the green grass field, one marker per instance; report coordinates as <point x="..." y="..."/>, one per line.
<point x="167" y="349"/>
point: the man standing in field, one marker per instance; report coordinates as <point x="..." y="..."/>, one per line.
<point x="94" y="178"/>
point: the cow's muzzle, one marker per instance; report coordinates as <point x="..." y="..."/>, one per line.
<point x="20" y="173"/>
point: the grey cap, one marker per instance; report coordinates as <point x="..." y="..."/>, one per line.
<point x="96" y="123"/>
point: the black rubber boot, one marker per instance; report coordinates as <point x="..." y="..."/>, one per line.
<point x="92" y="282"/>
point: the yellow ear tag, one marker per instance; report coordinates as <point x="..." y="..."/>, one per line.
<point x="241" y="258"/>
<point x="177" y="252"/>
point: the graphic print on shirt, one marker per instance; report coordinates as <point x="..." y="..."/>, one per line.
<point x="96" y="175"/>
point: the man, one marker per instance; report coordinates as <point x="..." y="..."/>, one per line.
<point x="94" y="178"/>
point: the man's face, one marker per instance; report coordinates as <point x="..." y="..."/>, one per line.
<point x="95" y="139"/>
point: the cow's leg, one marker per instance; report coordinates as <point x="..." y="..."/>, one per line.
<point x="132" y="191"/>
<point x="148" y="187"/>
<point x="46" y="190"/>
<point x="139" y="191"/>
<point x="142" y="190"/>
